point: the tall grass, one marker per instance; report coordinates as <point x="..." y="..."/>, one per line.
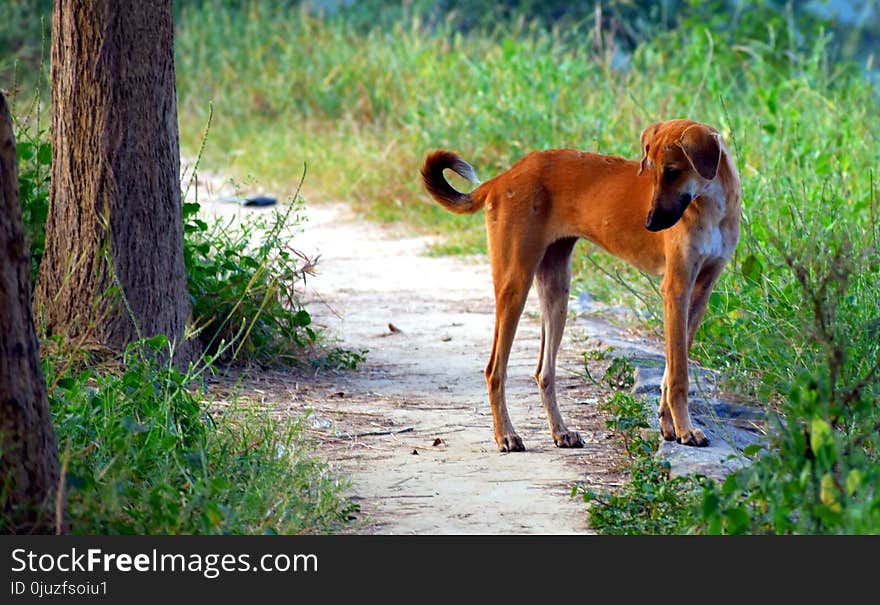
<point x="362" y="106"/>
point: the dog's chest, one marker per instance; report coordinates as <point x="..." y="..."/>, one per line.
<point x="715" y="235"/>
<point x="712" y="242"/>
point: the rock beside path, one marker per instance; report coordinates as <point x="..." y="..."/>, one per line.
<point x="730" y="427"/>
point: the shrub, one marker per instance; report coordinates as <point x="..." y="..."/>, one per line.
<point x="143" y="454"/>
<point x="821" y="471"/>
<point x="245" y="291"/>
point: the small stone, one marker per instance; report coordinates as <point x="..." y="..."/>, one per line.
<point x="648" y="380"/>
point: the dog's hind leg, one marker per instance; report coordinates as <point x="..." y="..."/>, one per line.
<point x="510" y="298"/>
<point x="552" y="280"/>
<point x="513" y="268"/>
<point x="667" y="426"/>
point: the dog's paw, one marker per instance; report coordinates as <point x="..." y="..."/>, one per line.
<point x="667" y="427"/>
<point x="695" y="438"/>
<point x="510" y="443"/>
<point x="568" y="439"/>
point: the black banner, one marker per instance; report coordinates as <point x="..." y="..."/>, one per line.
<point x="238" y="569"/>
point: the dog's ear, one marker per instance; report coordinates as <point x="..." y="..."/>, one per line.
<point x="645" y="161"/>
<point x="702" y="147"/>
<point x="645" y="143"/>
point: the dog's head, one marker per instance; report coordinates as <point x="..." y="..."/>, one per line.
<point x="683" y="157"/>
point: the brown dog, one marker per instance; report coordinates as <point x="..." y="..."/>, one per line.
<point x="675" y="213"/>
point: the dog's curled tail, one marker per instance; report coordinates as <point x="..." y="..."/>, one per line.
<point x="440" y="189"/>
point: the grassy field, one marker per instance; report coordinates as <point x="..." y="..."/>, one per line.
<point x="794" y="321"/>
<point x="362" y="107"/>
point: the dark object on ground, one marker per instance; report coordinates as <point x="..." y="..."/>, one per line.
<point x="257" y="200"/>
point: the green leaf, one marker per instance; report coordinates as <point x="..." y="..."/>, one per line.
<point x="752" y="268"/>
<point x="711" y="504"/>
<point x="820" y="434"/>
<point x="25" y="150"/>
<point x="730" y="485"/>
<point x="159" y="342"/>
<point x="828" y="493"/>
<point x="737" y="520"/>
<point x="771" y="102"/>
<point x="190" y="209"/>
<point x="752" y="450"/>
<point x="854" y="481"/>
<point x="44" y="155"/>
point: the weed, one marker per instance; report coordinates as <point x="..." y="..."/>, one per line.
<point x="243" y="281"/>
<point x="338" y="358"/>
<point x="620" y="373"/>
<point x="651" y="502"/>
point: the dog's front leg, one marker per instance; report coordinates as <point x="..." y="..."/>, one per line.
<point x="676" y="289"/>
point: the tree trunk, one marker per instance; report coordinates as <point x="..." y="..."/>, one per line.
<point x="113" y="268"/>
<point x="28" y="455"/>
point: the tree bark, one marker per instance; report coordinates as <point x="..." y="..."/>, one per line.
<point x="113" y="269"/>
<point x="28" y="455"/>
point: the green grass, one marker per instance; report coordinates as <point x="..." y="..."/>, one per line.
<point x="143" y="452"/>
<point x="650" y="502"/>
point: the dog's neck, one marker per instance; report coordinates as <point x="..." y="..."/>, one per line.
<point x="721" y="195"/>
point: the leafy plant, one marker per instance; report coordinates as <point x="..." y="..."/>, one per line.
<point x="340" y="357"/>
<point x="822" y="468"/>
<point x="620" y="373"/>
<point x="243" y="281"/>
<point x="651" y="502"/>
<point x="34" y="169"/>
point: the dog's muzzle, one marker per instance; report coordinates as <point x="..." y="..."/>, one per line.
<point x="660" y="218"/>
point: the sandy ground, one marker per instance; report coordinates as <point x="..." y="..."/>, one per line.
<point x="411" y="428"/>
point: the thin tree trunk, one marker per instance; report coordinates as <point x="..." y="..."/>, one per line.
<point x="113" y="268"/>
<point x="28" y="455"/>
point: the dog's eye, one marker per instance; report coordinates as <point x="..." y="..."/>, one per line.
<point x="670" y="174"/>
